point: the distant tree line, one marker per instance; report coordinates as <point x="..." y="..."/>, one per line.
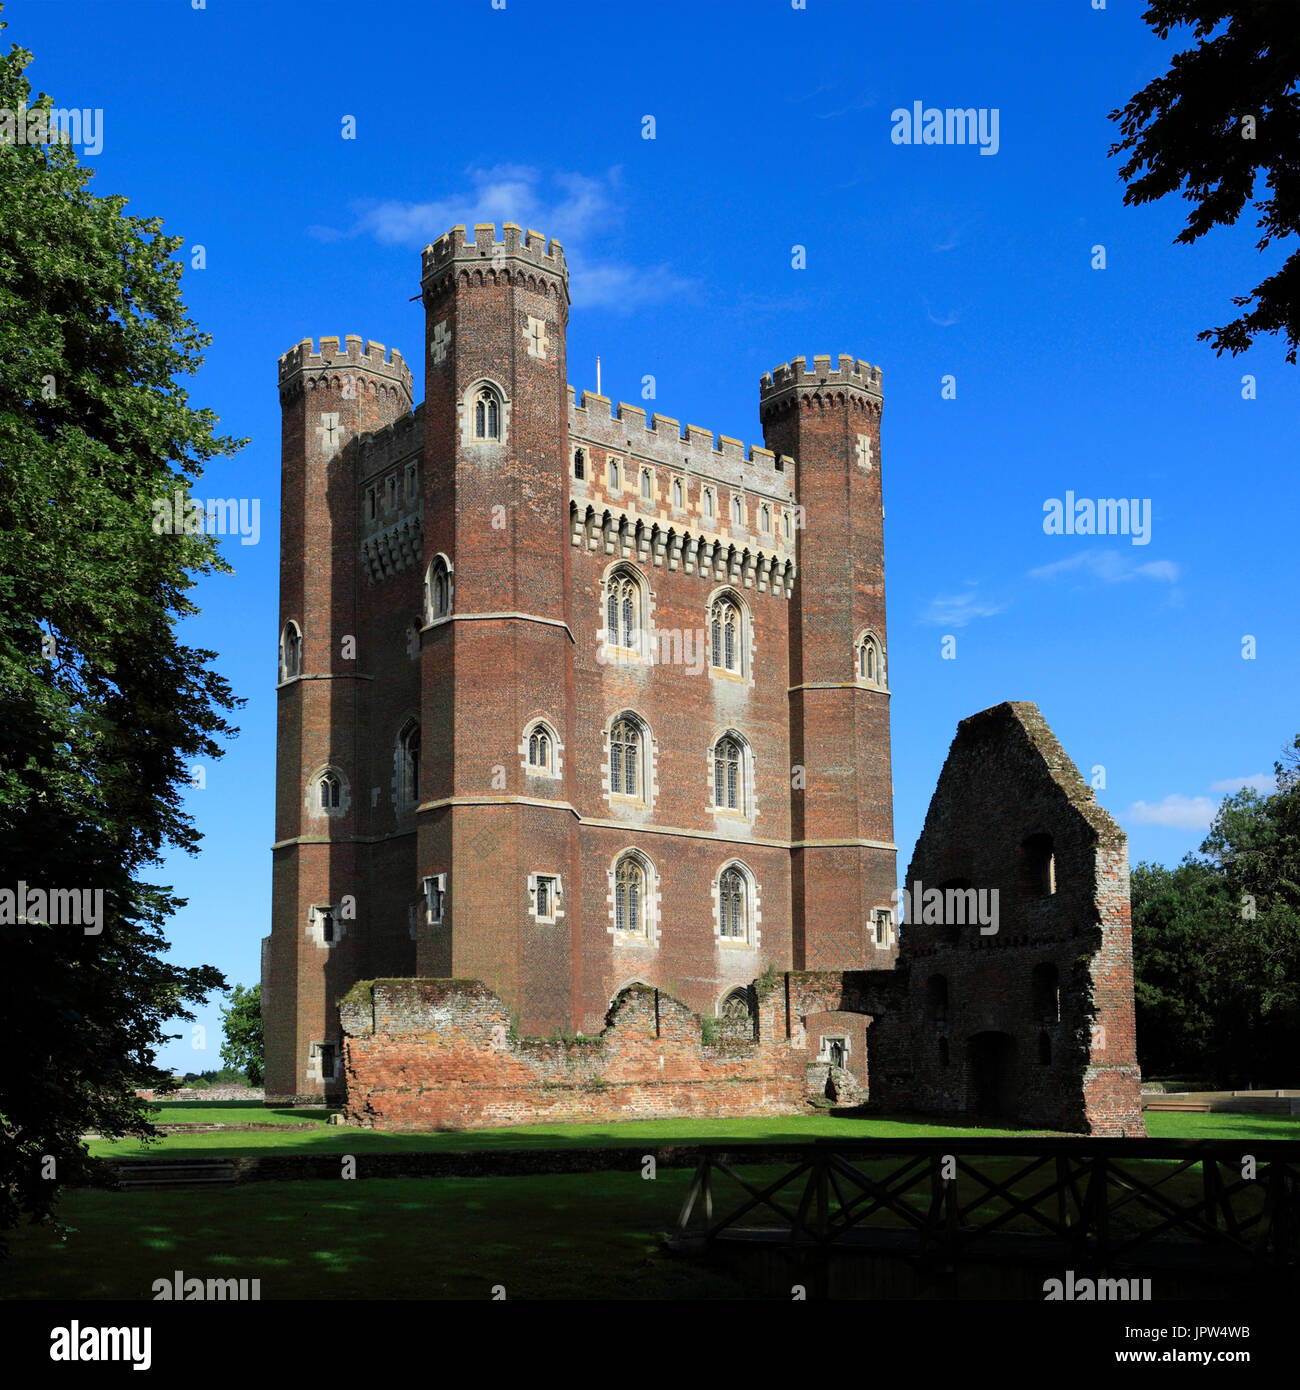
<point x="1216" y="946"/>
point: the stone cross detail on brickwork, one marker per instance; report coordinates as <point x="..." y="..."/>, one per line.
<point x="441" y="341"/>
<point x="328" y="432"/>
<point x="863" y="452"/>
<point x="535" y="336"/>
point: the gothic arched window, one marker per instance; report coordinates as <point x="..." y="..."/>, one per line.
<point x="623" y="600"/>
<point x="629" y="896"/>
<point x="625" y="759"/>
<point x="290" y="651"/>
<point x="487" y="414"/>
<point x="437" y="590"/>
<point x="408" y="754"/>
<point x="728" y="776"/>
<point x="725" y="628"/>
<point x="733" y="906"/>
<point x="579" y="464"/>
<point x="736" y="1005"/>
<point x="329" y="791"/>
<point x="541" y="750"/>
<point x="677" y="492"/>
<point x="871" y="660"/>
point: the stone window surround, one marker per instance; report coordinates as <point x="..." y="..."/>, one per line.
<point x="312" y="798"/>
<point x="648" y="780"/>
<point x="753" y="913"/>
<point x="556" y="767"/>
<point x="649" y="934"/>
<point x="647" y="606"/>
<point x="557" y="896"/>
<point x="748" y="812"/>
<point x="439" y="881"/>
<point x="465" y="413"/>
<point x="316" y="928"/>
<point x="747" y="641"/>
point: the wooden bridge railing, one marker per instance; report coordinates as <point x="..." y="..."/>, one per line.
<point x="1103" y="1200"/>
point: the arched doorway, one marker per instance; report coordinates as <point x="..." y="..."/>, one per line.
<point x="993" y="1075"/>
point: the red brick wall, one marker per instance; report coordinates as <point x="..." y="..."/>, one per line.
<point x="322" y="712"/>
<point x="1005" y="779"/>
<point x="839" y="728"/>
<point x="424" y="1054"/>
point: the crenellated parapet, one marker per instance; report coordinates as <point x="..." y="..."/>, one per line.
<point x="520" y="256"/>
<point x="852" y="382"/>
<point x="661" y="441"/>
<point x="393" y="444"/>
<point x="344" y="365"/>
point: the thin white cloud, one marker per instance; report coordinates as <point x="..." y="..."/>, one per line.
<point x="1260" y="781"/>
<point x="569" y="206"/>
<point x="956" y="610"/>
<point x="862" y="103"/>
<point x="1110" y="567"/>
<point x="1175" y="811"/>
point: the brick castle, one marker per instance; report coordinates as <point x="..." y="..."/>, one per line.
<point x="584" y="720"/>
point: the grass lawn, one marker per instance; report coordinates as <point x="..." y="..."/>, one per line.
<point x="230" y="1112"/>
<point x="587" y="1236"/>
<point x="583" y="1236"/>
<point x="314" y="1136"/>
<point x="593" y="1235"/>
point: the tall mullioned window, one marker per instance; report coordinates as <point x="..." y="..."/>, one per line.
<point x="487" y="415"/>
<point x="629" y="896"/>
<point x="871" y="660"/>
<point x="625" y="759"/>
<point x="728" y="780"/>
<point x="733" y="905"/>
<point x="623" y="600"/>
<point x="724" y="631"/>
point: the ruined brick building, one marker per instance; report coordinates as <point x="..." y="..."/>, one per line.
<point x="579" y="710"/>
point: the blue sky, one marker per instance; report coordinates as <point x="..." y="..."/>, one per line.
<point x="772" y="129"/>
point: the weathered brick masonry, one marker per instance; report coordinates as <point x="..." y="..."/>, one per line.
<point x="577" y="705"/>
<point x="422" y="1054"/>
<point x="577" y="719"/>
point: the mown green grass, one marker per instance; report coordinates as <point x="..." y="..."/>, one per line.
<point x="581" y="1236"/>
<point x="592" y="1235"/>
<point x="230" y="1112"/>
<point x="314" y="1136"/>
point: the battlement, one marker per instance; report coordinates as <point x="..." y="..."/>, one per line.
<point x="373" y="358"/>
<point x="663" y="441"/>
<point x="516" y="244"/>
<point x="795" y="375"/>
<point x="393" y="443"/>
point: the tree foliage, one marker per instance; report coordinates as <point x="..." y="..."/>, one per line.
<point x="242" y="1025"/>
<point x="103" y="708"/>
<point x="1216" y="945"/>
<point x="1225" y="115"/>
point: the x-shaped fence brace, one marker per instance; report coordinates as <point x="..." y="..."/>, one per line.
<point x="1075" y="1196"/>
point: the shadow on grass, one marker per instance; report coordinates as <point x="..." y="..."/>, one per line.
<point x="587" y="1236"/>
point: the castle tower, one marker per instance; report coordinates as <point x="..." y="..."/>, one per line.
<point x="497" y="644"/>
<point x="328" y="399"/>
<point x="843" y="863"/>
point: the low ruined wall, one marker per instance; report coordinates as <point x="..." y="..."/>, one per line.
<point x="438" y="1054"/>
